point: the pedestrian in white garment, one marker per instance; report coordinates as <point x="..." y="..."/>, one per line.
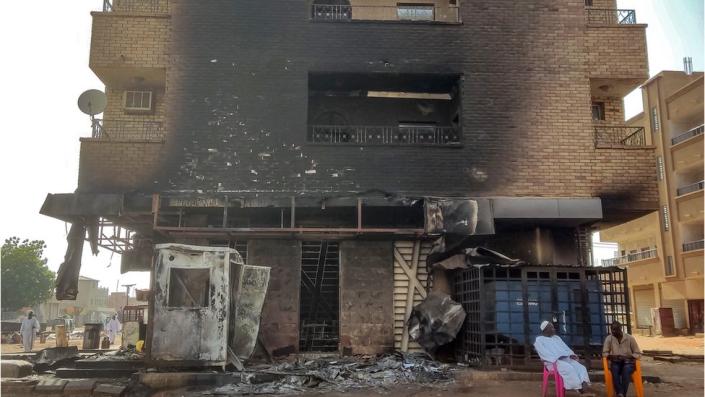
<point x="552" y="349"/>
<point x="113" y="329"/>
<point x="29" y="327"/>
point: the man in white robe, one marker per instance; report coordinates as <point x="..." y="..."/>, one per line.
<point x="552" y="349"/>
<point x="29" y="327"/>
<point x="113" y="329"/>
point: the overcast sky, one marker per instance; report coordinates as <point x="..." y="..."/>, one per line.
<point x="45" y="47"/>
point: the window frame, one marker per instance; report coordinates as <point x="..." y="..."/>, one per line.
<point x="142" y="93"/>
<point x="169" y="303"/>
<point x="416" y="7"/>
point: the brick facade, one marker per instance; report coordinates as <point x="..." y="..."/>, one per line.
<point x="118" y="166"/>
<point x="617" y="51"/>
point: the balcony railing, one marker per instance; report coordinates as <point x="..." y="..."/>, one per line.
<point x="619" y="136"/>
<point x="693" y="246"/>
<point x="604" y="16"/>
<point x="410" y="13"/>
<point x="127" y="130"/>
<point x="693" y="187"/>
<point x="687" y="135"/>
<point x="141" y="6"/>
<point x="638" y="256"/>
<point x="384" y="135"/>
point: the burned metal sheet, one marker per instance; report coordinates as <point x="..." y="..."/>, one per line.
<point x="454" y="216"/>
<point x="249" y="289"/>
<point x="436" y="321"/>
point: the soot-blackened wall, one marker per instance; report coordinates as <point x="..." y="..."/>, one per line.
<point x="238" y="95"/>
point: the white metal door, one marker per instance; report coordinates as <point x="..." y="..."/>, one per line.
<point x="190" y="304"/>
<point x="411" y="281"/>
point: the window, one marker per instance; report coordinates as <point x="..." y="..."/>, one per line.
<point x="138" y="100"/>
<point x="666" y="218"/>
<point x="189" y="287"/>
<point x="661" y="168"/>
<point x="598" y="111"/>
<point x="588" y="3"/>
<point x="670" y="269"/>
<point x="655" y="124"/>
<point x="415" y="12"/>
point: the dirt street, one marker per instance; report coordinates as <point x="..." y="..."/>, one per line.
<point x="677" y="344"/>
<point x="17" y="348"/>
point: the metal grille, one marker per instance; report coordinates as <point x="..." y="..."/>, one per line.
<point x="693" y="246"/>
<point x="380" y="135"/>
<point x="638" y="256"/>
<point x="619" y="136"/>
<point x="685" y="136"/>
<point x="506" y="305"/>
<point x="320" y="275"/>
<point x="603" y="16"/>
<point x="693" y="187"/>
<point x="127" y="130"/>
<point x="401" y="13"/>
<point x="140" y="6"/>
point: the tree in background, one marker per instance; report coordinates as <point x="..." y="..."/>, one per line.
<point x="26" y="279"/>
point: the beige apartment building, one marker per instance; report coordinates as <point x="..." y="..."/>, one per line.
<point x="664" y="250"/>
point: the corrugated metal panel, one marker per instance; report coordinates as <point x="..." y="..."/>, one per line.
<point x="409" y="259"/>
<point x="644" y="301"/>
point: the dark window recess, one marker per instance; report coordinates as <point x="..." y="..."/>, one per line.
<point x="384" y="109"/>
<point x="189" y="287"/>
<point x="598" y="111"/>
<point x="320" y="313"/>
<point x="588" y="3"/>
<point x="670" y="269"/>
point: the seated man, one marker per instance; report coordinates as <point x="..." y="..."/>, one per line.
<point x="552" y="349"/>
<point x="621" y="350"/>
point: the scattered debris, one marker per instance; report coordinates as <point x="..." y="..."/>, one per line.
<point x="54" y="357"/>
<point x="339" y="374"/>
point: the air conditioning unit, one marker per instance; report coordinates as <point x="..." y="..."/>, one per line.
<point x="138" y="101"/>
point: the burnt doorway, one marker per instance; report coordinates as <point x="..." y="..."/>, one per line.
<point x="320" y="310"/>
<point x="695" y="313"/>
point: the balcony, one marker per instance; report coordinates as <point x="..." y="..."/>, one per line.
<point x="694" y="187"/>
<point x="605" y="16"/>
<point x="620" y="137"/>
<point x="638" y="256"/>
<point x="687" y="135"/>
<point x="127" y="130"/>
<point x="616" y="48"/>
<point x="693" y="246"/>
<point x="129" y="43"/>
<point x="690" y="207"/>
<point x="383" y="135"/>
<point x="380" y="13"/>
<point x="137" y="6"/>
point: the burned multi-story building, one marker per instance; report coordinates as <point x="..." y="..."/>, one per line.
<point x="334" y="140"/>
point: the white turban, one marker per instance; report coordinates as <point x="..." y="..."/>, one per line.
<point x="544" y="325"/>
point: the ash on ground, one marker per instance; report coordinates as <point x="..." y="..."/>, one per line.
<point x="339" y="374"/>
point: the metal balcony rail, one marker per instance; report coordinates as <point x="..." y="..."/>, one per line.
<point x="693" y="187"/>
<point x="383" y="135"/>
<point x="619" y="136"/>
<point x="693" y="246"/>
<point x="607" y="16"/>
<point x="127" y="130"/>
<point x="638" y="256"/>
<point x="139" y="6"/>
<point x="406" y="13"/>
<point x="687" y="135"/>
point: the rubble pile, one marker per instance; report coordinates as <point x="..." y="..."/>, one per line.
<point x="333" y="374"/>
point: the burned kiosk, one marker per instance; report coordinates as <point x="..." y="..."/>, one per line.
<point x="506" y="304"/>
<point x="206" y="306"/>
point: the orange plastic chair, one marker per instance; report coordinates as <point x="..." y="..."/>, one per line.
<point x="636" y="378"/>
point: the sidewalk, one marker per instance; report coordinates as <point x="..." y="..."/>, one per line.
<point x="676" y="344"/>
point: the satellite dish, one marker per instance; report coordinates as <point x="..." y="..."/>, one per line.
<point x="92" y="102"/>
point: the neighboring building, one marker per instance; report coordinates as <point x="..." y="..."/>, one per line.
<point x="335" y="140"/>
<point x="602" y="250"/>
<point x="90" y="305"/>
<point x="117" y="301"/>
<point x="664" y="250"/>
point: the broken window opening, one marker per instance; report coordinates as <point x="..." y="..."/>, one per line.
<point x="384" y="109"/>
<point x="189" y="287"/>
<point x="319" y="301"/>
